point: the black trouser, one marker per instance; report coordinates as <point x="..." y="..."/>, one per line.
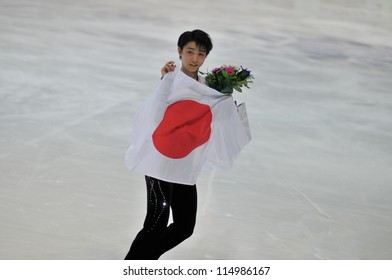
<point x="156" y="237"/>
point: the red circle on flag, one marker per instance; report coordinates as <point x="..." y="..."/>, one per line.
<point x="185" y="126"/>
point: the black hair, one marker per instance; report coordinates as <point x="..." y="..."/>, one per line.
<point x="201" y="38"/>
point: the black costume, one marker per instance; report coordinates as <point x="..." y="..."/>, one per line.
<point x="156" y="237"/>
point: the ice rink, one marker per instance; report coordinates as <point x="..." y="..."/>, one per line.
<point x="314" y="183"/>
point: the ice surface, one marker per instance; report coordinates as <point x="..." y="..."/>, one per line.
<point x="314" y="183"/>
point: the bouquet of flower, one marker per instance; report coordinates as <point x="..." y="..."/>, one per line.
<point x="227" y="78"/>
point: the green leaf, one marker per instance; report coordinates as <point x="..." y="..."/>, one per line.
<point x="237" y="88"/>
<point x="225" y="74"/>
<point x="227" y="90"/>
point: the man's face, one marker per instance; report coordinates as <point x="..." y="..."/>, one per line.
<point x="192" y="58"/>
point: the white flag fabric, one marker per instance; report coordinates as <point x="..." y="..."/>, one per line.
<point x="184" y="128"/>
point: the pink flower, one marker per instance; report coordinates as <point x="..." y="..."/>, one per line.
<point x="217" y="69"/>
<point x="229" y="69"/>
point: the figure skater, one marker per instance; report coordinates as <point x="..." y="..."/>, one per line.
<point x="156" y="237"/>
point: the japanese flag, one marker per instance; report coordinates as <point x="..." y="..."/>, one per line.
<point x="183" y="128"/>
